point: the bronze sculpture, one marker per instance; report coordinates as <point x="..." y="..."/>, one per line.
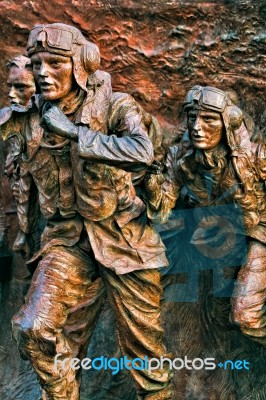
<point x="21" y="87"/>
<point x="20" y="81"/>
<point x="218" y="149"/>
<point x="81" y="144"/>
<point x="219" y="45"/>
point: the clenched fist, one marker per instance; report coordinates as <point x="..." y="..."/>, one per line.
<point x="153" y="184"/>
<point x="56" y="121"/>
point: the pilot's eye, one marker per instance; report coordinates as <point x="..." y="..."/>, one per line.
<point x="207" y="119"/>
<point x="36" y="65"/>
<point x="56" y="64"/>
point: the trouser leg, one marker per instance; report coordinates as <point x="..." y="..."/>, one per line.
<point x="135" y="298"/>
<point x="64" y="289"/>
<point x="249" y="297"/>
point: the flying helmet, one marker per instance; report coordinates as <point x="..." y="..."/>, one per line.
<point x="67" y="41"/>
<point x="19" y="62"/>
<point x="211" y="98"/>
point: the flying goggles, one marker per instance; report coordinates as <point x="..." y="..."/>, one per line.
<point x="52" y="38"/>
<point x="206" y="97"/>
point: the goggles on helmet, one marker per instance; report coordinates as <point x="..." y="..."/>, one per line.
<point x="206" y="97"/>
<point x="50" y="37"/>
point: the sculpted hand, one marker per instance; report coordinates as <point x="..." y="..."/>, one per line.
<point x="154" y="176"/>
<point x="155" y="168"/>
<point x="56" y="121"/>
<point x="153" y="183"/>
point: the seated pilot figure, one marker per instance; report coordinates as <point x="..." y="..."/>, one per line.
<point x="218" y="149"/>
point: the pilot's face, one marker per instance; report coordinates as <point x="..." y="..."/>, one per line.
<point x="205" y="128"/>
<point x="21" y="85"/>
<point x="54" y="74"/>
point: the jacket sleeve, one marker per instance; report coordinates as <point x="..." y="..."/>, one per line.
<point x="128" y="145"/>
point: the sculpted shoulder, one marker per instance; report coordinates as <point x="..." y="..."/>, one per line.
<point x="121" y="105"/>
<point x="5" y="115"/>
<point x="11" y="123"/>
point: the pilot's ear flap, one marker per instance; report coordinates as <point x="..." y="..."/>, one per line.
<point x="233" y="118"/>
<point x="90" y="57"/>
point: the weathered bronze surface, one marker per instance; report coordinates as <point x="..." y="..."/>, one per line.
<point x="21" y="86"/>
<point x="215" y="165"/>
<point x="217" y="150"/>
<point x="80" y="144"/>
<point x="157" y="51"/>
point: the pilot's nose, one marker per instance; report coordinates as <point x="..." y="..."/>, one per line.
<point x="43" y="71"/>
<point x="197" y="126"/>
<point x="12" y="94"/>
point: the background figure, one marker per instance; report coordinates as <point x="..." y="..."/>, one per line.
<point x="216" y="169"/>
<point x="215" y="198"/>
<point x="21" y="89"/>
<point x="14" y="276"/>
<point x="20" y="81"/>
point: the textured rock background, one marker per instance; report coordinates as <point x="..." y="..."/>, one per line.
<point x="155" y="50"/>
